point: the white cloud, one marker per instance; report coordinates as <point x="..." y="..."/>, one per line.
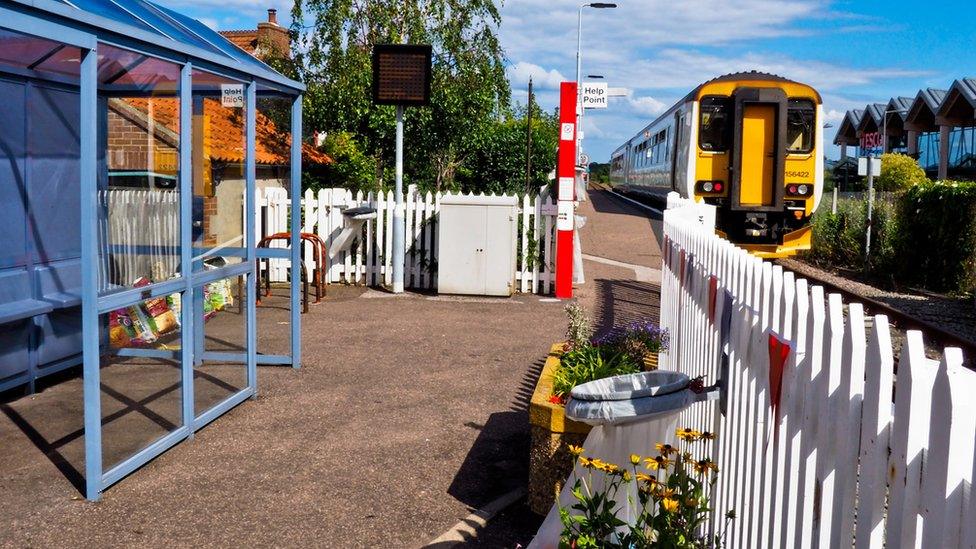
<point x="519" y="74"/>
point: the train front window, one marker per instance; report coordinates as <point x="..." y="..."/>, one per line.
<point x="800" y="123"/>
<point x="716" y="125"/>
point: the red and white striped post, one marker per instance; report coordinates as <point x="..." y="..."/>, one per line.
<point x="565" y="179"/>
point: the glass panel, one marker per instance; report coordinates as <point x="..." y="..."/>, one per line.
<point x="140" y="376"/>
<point x="800" y="123"/>
<point x="218" y="171"/>
<point x="220" y="369"/>
<point x="716" y="123"/>
<point x="148" y="13"/>
<point x="213" y="37"/>
<point x="111" y="10"/>
<point x="139" y="232"/>
<point x="273" y="205"/>
<point x="24" y="52"/>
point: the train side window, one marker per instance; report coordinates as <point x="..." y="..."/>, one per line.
<point x="800" y="124"/>
<point x="715" y="132"/>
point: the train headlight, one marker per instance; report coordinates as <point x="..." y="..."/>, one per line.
<point x="707" y="186"/>
<point x="792" y="189"/>
<point x="803" y="189"/>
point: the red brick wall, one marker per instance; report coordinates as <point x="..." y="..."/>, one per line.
<point x="128" y="145"/>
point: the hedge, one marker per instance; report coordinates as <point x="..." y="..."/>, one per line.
<point x="926" y="237"/>
<point x="938" y="245"/>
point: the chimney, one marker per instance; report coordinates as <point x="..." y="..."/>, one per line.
<point x="273" y="16"/>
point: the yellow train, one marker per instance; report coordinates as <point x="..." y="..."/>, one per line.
<point x="749" y="143"/>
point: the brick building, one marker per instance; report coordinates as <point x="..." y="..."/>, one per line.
<point x="267" y="37"/>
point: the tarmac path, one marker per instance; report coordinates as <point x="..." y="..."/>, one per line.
<point x="409" y="413"/>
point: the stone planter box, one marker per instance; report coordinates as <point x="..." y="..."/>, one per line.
<point x="551" y="433"/>
<point x="549" y="459"/>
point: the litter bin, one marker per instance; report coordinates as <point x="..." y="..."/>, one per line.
<point x="630" y="414"/>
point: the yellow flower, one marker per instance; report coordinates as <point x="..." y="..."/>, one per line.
<point x="649" y="479"/>
<point x="634" y="459"/>
<point x="655" y="463"/>
<point x="707" y="436"/>
<point x="598" y="463"/>
<point x="703" y="466"/>
<point x="627" y="476"/>
<point x="687" y="456"/>
<point x="691" y="502"/>
<point x="665" y="449"/>
<point x="670" y="505"/>
<point x="688" y="434"/>
<point x="667" y="493"/>
<point x="575" y="450"/>
<point x="585" y="462"/>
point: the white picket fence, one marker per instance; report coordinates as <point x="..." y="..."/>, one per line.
<point x="849" y="456"/>
<point x="138" y="235"/>
<point x="368" y="262"/>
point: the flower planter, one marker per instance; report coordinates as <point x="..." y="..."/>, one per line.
<point x="551" y="434"/>
<point x="549" y="459"/>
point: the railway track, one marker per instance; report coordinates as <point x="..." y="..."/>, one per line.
<point x="936" y="337"/>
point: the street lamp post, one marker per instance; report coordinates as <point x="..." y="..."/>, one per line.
<point x="579" y="67"/>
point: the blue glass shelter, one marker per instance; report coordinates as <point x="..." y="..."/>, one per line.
<point x="129" y="162"/>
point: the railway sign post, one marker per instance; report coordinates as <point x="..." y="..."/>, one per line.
<point x="566" y="188"/>
<point x="401" y="77"/>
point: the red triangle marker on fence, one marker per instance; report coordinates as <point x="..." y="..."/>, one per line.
<point x="779" y="351"/>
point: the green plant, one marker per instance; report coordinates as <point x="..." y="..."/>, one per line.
<point x="899" y="172"/>
<point x="587" y="363"/>
<point x="671" y="497"/>
<point x="937" y="247"/>
<point x="580" y="329"/>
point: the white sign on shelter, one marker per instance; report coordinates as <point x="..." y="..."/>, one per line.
<point x="232" y="95"/>
<point x="595" y="95"/>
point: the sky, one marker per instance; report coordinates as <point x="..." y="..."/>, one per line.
<point x="853" y="52"/>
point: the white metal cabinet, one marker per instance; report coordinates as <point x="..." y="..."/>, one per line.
<point x="476" y="245"/>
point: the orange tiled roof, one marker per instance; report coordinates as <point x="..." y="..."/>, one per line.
<point x="227" y="133"/>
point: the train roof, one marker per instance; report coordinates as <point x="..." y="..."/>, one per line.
<point x="731" y="77"/>
<point x="746" y="75"/>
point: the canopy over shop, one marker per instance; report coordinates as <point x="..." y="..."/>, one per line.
<point x="130" y="146"/>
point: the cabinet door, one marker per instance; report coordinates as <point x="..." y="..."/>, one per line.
<point x="499" y="251"/>
<point x="461" y="261"/>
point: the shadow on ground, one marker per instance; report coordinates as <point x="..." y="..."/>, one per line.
<point x="619" y="302"/>
<point x="496" y="464"/>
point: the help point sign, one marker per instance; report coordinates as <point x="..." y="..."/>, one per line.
<point x="595" y="95"/>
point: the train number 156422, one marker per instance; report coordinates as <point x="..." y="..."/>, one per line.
<point x="801" y="175"/>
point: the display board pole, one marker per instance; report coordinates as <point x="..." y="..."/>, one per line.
<point x="566" y="189"/>
<point x="398" y="221"/>
<point x="867" y="236"/>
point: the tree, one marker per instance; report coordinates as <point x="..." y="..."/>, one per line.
<point x="898" y="173"/>
<point x="332" y="48"/>
<point x="497" y="159"/>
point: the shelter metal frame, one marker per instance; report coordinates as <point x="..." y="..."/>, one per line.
<point x="63" y="23"/>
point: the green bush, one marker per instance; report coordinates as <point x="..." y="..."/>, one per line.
<point x="899" y="172"/>
<point x="839" y="239"/>
<point x="590" y="363"/>
<point x="938" y="237"/>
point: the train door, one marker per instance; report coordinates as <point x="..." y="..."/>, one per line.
<point x="757" y="181"/>
<point x="758" y="150"/>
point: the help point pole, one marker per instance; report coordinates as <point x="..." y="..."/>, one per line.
<point x="566" y="186"/>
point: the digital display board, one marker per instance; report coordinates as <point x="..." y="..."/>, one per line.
<point x="401" y="74"/>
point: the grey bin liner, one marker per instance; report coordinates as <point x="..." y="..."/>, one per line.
<point x="631" y="386"/>
<point x="632" y="398"/>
